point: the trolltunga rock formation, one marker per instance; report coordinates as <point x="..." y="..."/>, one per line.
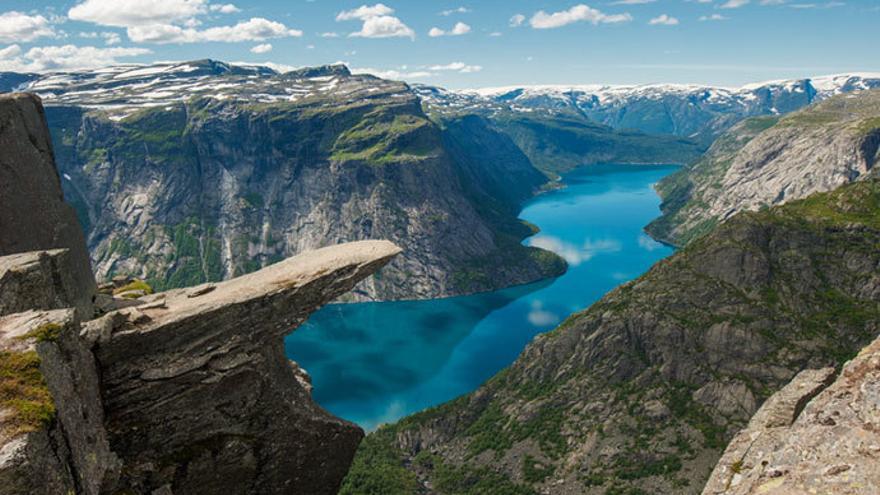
<point x="184" y="392"/>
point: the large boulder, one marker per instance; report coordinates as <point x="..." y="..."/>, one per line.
<point x="33" y="214"/>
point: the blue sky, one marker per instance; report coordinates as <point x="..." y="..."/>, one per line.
<point x="467" y="43"/>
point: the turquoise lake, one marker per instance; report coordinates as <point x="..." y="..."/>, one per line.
<point x="373" y="363"/>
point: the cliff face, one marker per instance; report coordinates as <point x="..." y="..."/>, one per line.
<point x="641" y="392"/>
<point x="203" y="171"/>
<point x="771" y="160"/>
<point x="817" y="435"/>
<point x="187" y="391"/>
<point x="30" y="185"/>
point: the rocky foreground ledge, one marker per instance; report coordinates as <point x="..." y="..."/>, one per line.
<point x="184" y="392"/>
<point x="816" y="435"/>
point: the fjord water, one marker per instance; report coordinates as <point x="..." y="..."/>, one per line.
<point x="373" y="363"/>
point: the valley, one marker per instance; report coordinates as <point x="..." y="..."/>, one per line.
<point x="529" y="328"/>
<point x="373" y="363"/>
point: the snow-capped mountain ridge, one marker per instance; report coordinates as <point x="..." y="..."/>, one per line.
<point x="688" y="110"/>
<point x="123" y="89"/>
<point x="823" y="83"/>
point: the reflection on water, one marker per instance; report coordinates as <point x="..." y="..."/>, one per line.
<point x="376" y="362"/>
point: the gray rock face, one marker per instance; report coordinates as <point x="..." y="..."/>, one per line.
<point x="37" y="280"/>
<point x="199" y="395"/>
<point x="767" y="161"/>
<point x="185" y="392"/>
<point x="202" y="171"/>
<point x="816" y="435"/>
<point x="35" y="216"/>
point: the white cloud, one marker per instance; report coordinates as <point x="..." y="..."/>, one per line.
<point x="578" y="13"/>
<point x="126" y="13"/>
<point x="424" y="72"/>
<point x="67" y="57"/>
<point x="256" y="29"/>
<point x="175" y="21"/>
<point x="540" y="317"/>
<point x="663" y="20"/>
<point x="16" y="27"/>
<point x="329" y="34"/>
<point x="457" y="67"/>
<point x="365" y="12"/>
<point x="459" y="29"/>
<point x="109" y="38"/>
<point x="225" y="8"/>
<point x="393" y="74"/>
<point x="459" y="10"/>
<point x="377" y="22"/>
<point x="384" y="27"/>
<point x="9" y="52"/>
<point x="649" y="244"/>
<point x="517" y="20"/>
<point x="734" y="4"/>
<point x="263" y="48"/>
<point x="713" y="17"/>
<point x="574" y="254"/>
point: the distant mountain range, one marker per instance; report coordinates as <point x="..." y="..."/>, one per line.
<point x="695" y="111"/>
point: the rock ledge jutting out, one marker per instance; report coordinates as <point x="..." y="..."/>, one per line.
<point x="183" y="392"/>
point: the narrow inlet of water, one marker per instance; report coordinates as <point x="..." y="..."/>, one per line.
<point x="374" y="363"/>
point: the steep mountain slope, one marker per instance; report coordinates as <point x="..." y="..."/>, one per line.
<point x="184" y="173"/>
<point x="639" y="393"/>
<point x="770" y="160"/>
<point x="558" y="140"/>
<point x="695" y="111"/>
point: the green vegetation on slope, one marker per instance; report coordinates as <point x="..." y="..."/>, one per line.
<point x="798" y="140"/>
<point x="561" y="142"/>
<point x="641" y="392"/>
<point x="23" y="392"/>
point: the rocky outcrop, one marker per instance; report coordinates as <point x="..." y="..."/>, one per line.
<point x="39" y="280"/>
<point x="641" y="392"/>
<point x="184" y="392"/>
<point x="30" y="188"/>
<point x="199" y="396"/>
<point x="770" y="160"/>
<point x="816" y="435"/>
